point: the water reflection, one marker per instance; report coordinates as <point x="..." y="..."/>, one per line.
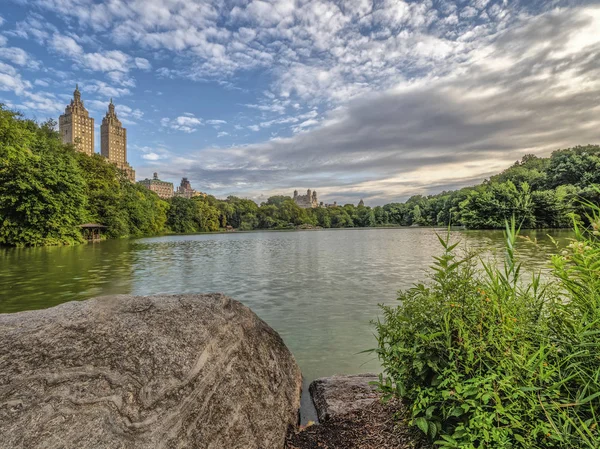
<point x="33" y="278"/>
<point x="319" y="289"/>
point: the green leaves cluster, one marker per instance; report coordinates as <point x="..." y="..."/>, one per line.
<point x="539" y="192"/>
<point x="488" y="359"/>
<point x="42" y="190"/>
<point x="192" y="215"/>
<point x="47" y="190"/>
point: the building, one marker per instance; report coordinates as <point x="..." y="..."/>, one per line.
<point x="113" y="142"/>
<point x="308" y="201"/>
<point x="76" y="127"/>
<point x="185" y="190"/>
<point x="361" y="203"/>
<point x="163" y="189"/>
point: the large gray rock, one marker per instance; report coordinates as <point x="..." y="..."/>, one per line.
<point x="336" y="396"/>
<point x="181" y="371"/>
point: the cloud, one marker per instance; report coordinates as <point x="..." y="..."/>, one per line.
<point x="316" y="50"/>
<point x="65" y="45"/>
<point x="126" y="111"/>
<point x="151" y="156"/>
<point x="186" y="123"/>
<point x="11" y="81"/>
<point x="19" y="57"/>
<point x="115" y="63"/>
<point x="216" y="124"/>
<point x="102" y="88"/>
<point x="142" y="63"/>
<point x="507" y="99"/>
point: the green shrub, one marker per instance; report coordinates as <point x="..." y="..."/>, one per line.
<point x="486" y="359"/>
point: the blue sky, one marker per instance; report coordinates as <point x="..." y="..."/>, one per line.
<point x="373" y="99"/>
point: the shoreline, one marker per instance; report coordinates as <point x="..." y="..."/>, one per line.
<point x="255" y="231"/>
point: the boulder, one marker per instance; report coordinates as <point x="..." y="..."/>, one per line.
<point x="339" y="395"/>
<point x="167" y="371"/>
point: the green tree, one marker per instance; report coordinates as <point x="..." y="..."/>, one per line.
<point x="579" y="166"/>
<point x="182" y="215"/>
<point x="42" y="195"/>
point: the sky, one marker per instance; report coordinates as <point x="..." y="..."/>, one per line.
<point x="372" y="99"/>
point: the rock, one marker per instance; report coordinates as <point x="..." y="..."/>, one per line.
<point x="180" y="371"/>
<point x="338" y="395"/>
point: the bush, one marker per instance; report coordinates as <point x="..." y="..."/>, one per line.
<point x="486" y="360"/>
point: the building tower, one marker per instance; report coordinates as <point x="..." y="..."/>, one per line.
<point x="76" y="126"/>
<point x="308" y="201"/>
<point x="163" y="189"/>
<point x="113" y="141"/>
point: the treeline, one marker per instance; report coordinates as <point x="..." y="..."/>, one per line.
<point x="539" y="192"/>
<point x="47" y="189"/>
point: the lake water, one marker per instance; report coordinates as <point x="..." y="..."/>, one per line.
<point x="318" y="289"/>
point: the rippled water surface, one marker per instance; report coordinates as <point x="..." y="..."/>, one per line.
<point x="318" y="289"/>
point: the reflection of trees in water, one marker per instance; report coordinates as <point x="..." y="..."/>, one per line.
<point x="34" y="278"/>
<point x="534" y="247"/>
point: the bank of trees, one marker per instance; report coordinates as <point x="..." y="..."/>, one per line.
<point x="47" y="189"/>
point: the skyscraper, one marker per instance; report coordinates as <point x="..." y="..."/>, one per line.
<point x="113" y="141"/>
<point x="76" y="126"/>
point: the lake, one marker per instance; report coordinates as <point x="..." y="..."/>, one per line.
<point x="318" y="289"/>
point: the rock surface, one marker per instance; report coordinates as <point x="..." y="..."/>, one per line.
<point x="179" y="371"/>
<point x="339" y="395"/>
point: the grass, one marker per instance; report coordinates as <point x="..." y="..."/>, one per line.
<point x="486" y="359"/>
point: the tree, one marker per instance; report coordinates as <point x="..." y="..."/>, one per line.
<point x="579" y="166"/>
<point x="42" y="195"/>
<point x="181" y="216"/>
<point x="207" y="216"/>
<point x="491" y="205"/>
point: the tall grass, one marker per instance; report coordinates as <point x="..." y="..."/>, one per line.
<point x="486" y="359"/>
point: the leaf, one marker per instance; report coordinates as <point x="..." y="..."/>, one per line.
<point x="422" y="424"/>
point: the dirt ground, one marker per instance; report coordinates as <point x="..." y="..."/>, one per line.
<point x="373" y="427"/>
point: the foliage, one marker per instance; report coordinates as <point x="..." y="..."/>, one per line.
<point x="42" y="196"/>
<point x="192" y="215"/>
<point x="487" y="359"/>
<point x="127" y="209"/>
<point x="47" y="190"/>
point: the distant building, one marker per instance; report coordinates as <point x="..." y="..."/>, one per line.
<point x="113" y="142"/>
<point x="76" y="126"/>
<point x="163" y="189"/>
<point x="361" y="203"/>
<point x="185" y="190"/>
<point x="308" y="201"/>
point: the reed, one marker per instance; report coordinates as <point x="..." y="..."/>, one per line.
<point x="485" y="357"/>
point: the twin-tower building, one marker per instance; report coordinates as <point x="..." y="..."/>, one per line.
<point x="77" y="128"/>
